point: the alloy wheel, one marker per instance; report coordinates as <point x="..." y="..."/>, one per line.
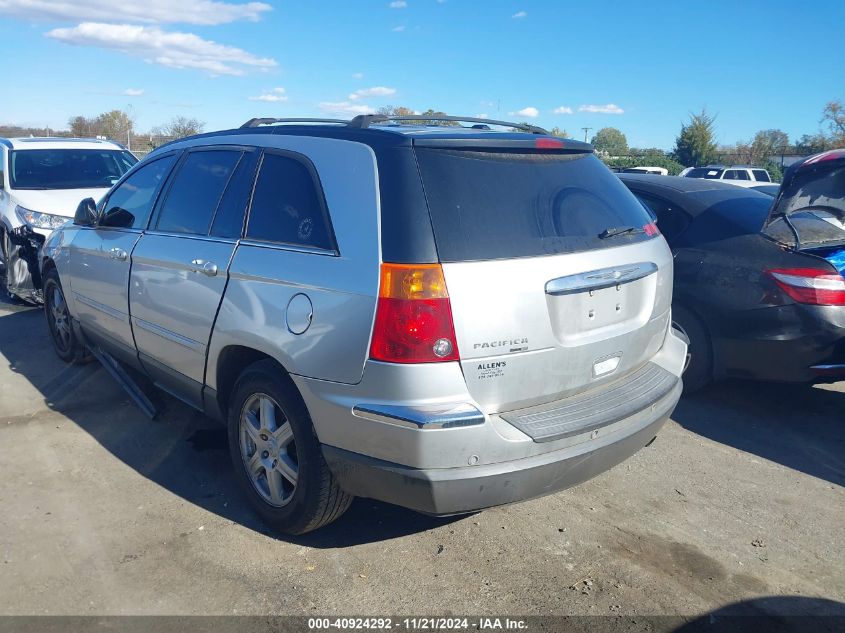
<point x="268" y="449"/>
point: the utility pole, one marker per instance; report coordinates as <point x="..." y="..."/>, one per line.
<point x="586" y="129"/>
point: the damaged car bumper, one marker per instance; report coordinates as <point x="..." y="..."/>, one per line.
<point x="21" y="253"/>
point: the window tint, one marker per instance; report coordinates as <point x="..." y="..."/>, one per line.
<point x="761" y="175"/>
<point x="730" y="174"/>
<point x="499" y="205"/>
<point x="68" y="168"/>
<point x="704" y="172"/>
<point x="196" y="190"/>
<point x="742" y="174"/>
<point x="287" y="205"/>
<point x="130" y="204"/>
<point x="229" y="219"/>
<point x="671" y="220"/>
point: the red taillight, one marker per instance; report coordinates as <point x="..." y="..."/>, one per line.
<point x="548" y="143"/>
<point x="651" y="229"/>
<point x="810" y="285"/>
<point x="413" y="316"/>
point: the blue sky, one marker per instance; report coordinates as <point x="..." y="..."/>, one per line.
<point x="639" y="66"/>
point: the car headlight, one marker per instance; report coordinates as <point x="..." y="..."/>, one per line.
<point x="38" y="220"/>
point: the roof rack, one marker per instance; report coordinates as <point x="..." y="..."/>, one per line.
<point x="267" y="121"/>
<point x="366" y="120"/>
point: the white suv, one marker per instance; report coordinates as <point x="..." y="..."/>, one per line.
<point x="740" y="175"/>
<point x="42" y="180"/>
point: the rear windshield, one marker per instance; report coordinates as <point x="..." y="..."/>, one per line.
<point x="67" y="168"/>
<point x="500" y="205"/>
<point x="704" y="172"/>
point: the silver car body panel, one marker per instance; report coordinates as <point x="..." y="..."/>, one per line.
<point x="521" y="345"/>
<point x="342" y="288"/>
<point x="176" y="285"/>
<point x="442" y="386"/>
<point x="99" y="277"/>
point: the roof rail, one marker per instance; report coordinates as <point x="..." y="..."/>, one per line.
<point x="366" y="120"/>
<point x="267" y="121"/>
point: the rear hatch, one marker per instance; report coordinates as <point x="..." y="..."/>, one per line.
<point x="809" y="212"/>
<point x="557" y="279"/>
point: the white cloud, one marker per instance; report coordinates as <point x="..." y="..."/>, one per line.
<point x="398" y="29"/>
<point x="519" y="15"/>
<point x="610" y="108"/>
<point x="345" y="107"/>
<point x="398" y="4"/>
<point x="172" y="49"/>
<point x="357" y="75"/>
<point x="375" y="91"/>
<point x="563" y="110"/>
<point x="483" y="115"/>
<point x="132" y="92"/>
<point x="530" y="112"/>
<point x="272" y="96"/>
<point x="146" y="11"/>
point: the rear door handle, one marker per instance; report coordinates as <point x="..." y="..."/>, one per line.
<point x="204" y="267"/>
<point x="118" y="253"/>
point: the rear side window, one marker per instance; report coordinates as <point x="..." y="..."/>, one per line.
<point x="742" y="174"/>
<point x="761" y="175"/>
<point x="671" y="219"/>
<point x="130" y="204"/>
<point x="501" y="205"/>
<point x="288" y="206"/>
<point x="196" y="191"/>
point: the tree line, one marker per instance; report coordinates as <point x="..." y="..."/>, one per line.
<point x="117" y="125"/>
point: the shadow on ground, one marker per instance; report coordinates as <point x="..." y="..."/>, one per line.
<point x="772" y="614"/>
<point x="798" y="426"/>
<point x="181" y="450"/>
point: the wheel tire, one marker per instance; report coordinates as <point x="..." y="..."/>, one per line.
<point x="4" y="251"/>
<point x="67" y="345"/>
<point x="286" y="437"/>
<point x="699" y="371"/>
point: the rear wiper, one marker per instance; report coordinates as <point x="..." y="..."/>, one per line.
<point x="613" y="231"/>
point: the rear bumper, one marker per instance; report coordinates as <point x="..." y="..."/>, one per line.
<point x="795" y="343"/>
<point x="445" y="491"/>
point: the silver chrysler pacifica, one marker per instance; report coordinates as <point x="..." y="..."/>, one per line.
<point x="444" y="314"/>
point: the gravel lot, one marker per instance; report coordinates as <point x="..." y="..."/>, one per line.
<point x="740" y="499"/>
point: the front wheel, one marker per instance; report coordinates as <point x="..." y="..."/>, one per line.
<point x="67" y="345"/>
<point x="276" y="454"/>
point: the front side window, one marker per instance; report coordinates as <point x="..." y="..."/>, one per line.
<point x="742" y="174"/>
<point x="130" y="204"/>
<point x="288" y="205"/>
<point x="67" y="168"/>
<point x="730" y="174"/>
<point x="761" y="175"/>
<point x="196" y="191"/>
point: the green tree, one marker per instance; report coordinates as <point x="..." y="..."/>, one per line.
<point x="695" y="145"/>
<point x="812" y="144"/>
<point x="115" y="124"/>
<point x="180" y="127"/>
<point x="556" y="131"/>
<point x="611" y="141"/>
<point x="767" y="143"/>
<point x="834" y="116"/>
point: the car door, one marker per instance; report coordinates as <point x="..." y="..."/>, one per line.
<point x="101" y="255"/>
<point x="179" y="267"/>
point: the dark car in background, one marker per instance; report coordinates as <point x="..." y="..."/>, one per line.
<point x="758" y="283"/>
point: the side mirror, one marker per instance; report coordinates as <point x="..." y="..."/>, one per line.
<point x="86" y="213"/>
